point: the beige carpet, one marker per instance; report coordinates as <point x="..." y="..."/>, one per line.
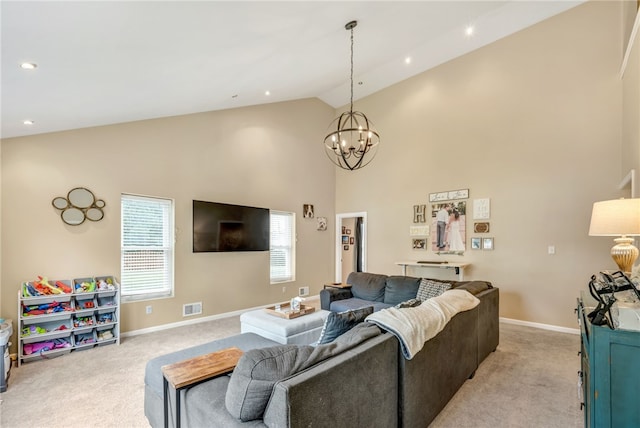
<point x="530" y="381"/>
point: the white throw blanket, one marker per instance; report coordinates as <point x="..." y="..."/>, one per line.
<point x="414" y="326"/>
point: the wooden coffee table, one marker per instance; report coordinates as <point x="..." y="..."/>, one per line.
<point x="193" y="371"/>
<point x="336" y="285"/>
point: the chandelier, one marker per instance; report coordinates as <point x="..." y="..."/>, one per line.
<point x="352" y="141"/>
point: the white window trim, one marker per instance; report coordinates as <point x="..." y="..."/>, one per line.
<point x="292" y="249"/>
<point x="171" y="238"/>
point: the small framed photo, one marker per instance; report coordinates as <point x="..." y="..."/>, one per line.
<point x="322" y="223"/>
<point x="476" y="243"/>
<point x="344" y="230"/>
<point x="346" y="248"/>
<point x="345" y="239"/>
<point x="481" y="227"/>
<point x="419" y="244"/>
<point x="487" y="243"/>
<point x="348" y="231"/>
<point x="307" y="210"/>
<point x="351" y="240"/>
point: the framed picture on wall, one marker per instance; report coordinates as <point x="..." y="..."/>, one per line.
<point x="322" y="223"/>
<point x="448" y="227"/>
<point x="419" y="244"/>
<point x="346" y="248"/>
<point x="307" y="210"/>
<point x="487" y="243"/>
<point x="345" y="239"/>
<point x="351" y="240"/>
<point x="476" y="243"/>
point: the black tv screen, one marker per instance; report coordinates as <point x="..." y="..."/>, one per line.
<point x="221" y="227"/>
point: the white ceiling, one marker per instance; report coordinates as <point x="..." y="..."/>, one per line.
<point x="105" y="62"/>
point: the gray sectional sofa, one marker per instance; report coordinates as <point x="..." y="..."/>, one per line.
<point x="383" y="291"/>
<point x="359" y="380"/>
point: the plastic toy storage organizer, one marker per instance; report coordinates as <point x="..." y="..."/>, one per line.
<point x="78" y="314"/>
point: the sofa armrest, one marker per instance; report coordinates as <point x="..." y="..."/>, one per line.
<point x="473" y="287"/>
<point x="488" y="322"/>
<point x="329" y="295"/>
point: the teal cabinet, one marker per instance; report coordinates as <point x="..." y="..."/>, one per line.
<point x="610" y="372"/>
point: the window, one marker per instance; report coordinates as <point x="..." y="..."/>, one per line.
<point x="282" y="246"/>
<point x="147" y="241"/>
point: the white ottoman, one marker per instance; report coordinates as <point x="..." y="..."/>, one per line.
<point x="303" y="330"/>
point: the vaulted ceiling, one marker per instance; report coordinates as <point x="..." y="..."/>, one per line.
<point x="100" y="62"/>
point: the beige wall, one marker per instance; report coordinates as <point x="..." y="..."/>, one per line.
<point x="631" y="107"/>
<point x="531" y="122"/>
<point x="348" y="262"/>
<point x="259" y="156"/>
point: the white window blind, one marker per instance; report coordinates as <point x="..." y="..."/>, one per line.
<point x="147" y="247"/>
<point x="282" y="246"/>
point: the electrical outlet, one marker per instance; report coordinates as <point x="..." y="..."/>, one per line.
<point x="284" y="289"/>
<point x="148" y="309"/>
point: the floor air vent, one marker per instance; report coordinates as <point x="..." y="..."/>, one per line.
<point x="191" y="309"/>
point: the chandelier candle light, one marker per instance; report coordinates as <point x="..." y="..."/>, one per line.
<point x="352" y="141"/>
<point x="618" y="217"/>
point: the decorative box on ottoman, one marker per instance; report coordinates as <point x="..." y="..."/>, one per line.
<point x="302" y="330"/>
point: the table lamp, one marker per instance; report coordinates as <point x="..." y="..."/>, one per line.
<point x="618" y="217"/>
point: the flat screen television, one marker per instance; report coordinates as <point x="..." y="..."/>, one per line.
<point x="221" y="227"/>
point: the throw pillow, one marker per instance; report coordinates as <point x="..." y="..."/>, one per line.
<point x="367" y="286"/>
<point x="430" y="288"/>
<point x="338" y="323"/>
<point x="400" y="289"/>
<point x="255" y="374"/>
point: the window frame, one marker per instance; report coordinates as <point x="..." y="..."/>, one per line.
<point x="291" y="248"/>
<point x="168" y="247"/>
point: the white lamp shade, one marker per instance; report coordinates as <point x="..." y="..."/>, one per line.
<point x="615" y="218"/>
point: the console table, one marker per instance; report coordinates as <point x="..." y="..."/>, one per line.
<point x="610" y="371"/>
<point x="458" y="267"/>
<point x="192" y="371"/>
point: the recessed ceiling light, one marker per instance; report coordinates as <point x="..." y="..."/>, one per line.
<point x="28" y="65"/>
<point x="28" y="122"/>
<point x="267" y="93"/>
<point x="469" y="30"/>
<point x="407" y="60"/>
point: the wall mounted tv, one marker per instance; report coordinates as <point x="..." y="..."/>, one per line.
<point x="221" y="227"/>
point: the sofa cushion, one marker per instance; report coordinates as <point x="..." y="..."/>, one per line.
<point x="354" y="303"/>
<point x="258" y="370"/>
<point x="367" y="286"/>
<point x="253" y="378"/>
<point x="430" y="288"/>
<point x="400" y="289"/>
<point x="338" y="323"/>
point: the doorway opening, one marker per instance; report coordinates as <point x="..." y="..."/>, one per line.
<point x="351" y="244"/>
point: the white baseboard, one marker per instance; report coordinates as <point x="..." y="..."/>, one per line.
<point x="199" y="320"/>
<point x="541" y="326"/>
<point x="236" y="313"/>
